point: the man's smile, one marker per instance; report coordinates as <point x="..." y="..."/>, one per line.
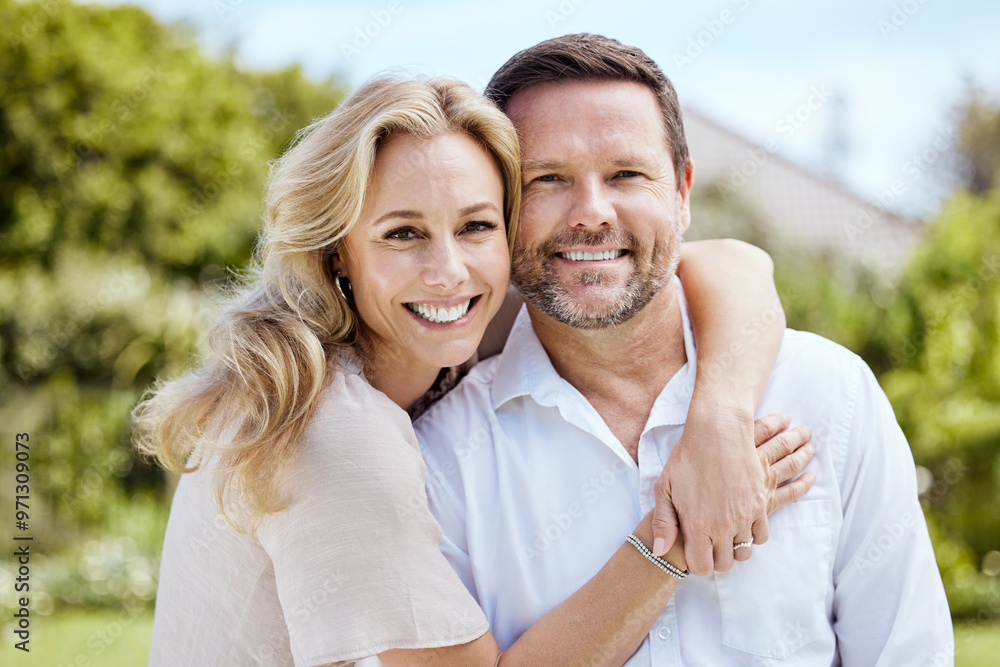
<point x="589" y="256"/>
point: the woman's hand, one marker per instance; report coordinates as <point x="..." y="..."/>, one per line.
<point x="783" y="454"/>
<point x="712" y="488"/>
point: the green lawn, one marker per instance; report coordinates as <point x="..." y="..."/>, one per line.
<point x="977" y="644"/>
<point x="82" y="638"/>
<point x="104" y="638"/>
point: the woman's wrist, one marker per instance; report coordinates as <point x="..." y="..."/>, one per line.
<point x="674" y="555"/>
<point x="727" y="406"/>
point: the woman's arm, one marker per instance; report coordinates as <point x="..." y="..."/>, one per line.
<point x="713" y="486"/>
<point x="604" y="621"/>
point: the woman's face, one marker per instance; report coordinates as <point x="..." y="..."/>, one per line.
<point x="428" y="260"/>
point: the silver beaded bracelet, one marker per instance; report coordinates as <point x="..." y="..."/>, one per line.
<point x="672" y="570"/>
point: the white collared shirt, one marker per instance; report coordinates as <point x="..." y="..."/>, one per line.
<point x="535" y="494"/>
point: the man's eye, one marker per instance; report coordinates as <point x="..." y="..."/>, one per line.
<point x="627" y="173"/>
<point x="403" y="233"/>
<point x="480" y="226"/>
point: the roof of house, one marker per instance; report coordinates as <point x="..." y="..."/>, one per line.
<point x="800" y="206"/>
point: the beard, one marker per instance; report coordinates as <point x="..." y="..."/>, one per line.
<point x="536" y="277"/>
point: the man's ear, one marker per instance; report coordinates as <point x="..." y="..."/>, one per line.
<point x="684" y="192"/>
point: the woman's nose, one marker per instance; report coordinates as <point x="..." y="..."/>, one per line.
<point x="446" y="267"/>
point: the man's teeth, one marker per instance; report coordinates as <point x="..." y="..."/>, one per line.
<point x="576" y="256"/>
<point x="440" y="315"/>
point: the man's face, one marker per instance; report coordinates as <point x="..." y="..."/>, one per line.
<point x="602" y="217"/>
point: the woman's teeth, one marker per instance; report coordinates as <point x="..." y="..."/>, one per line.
<point x="440" y="315"/>
<point x="591" y="256"/>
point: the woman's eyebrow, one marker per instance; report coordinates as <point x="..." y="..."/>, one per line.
<point x="404" y="214"/>
<point x="476" y="208"/>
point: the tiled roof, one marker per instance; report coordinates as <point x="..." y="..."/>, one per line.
<point x="798" y="206"/>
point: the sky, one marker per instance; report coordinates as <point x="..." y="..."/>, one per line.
<point x="869" y="87"/>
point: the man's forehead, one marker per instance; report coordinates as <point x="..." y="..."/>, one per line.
<point x="620" y="119"/>
<point x="541" y="100"/>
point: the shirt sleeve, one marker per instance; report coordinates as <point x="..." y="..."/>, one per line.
<point x="355" y="551"/>
<point x="889" y="604"/>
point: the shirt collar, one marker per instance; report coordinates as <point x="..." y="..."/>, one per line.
<point x="524" y="369"/>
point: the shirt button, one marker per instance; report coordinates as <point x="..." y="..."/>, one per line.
<point x="663" y="633"/>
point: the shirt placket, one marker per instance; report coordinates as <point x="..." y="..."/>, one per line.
<point x="650" y="467"/>
<point x="664" y="648"/>
<point x="664" y="644"/>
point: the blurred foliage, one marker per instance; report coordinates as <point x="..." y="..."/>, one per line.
<point x="943" y="339"/>
<point x="132" y="169"/>
<point x="978" y="142"/>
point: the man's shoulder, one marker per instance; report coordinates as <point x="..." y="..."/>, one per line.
<point x="823" y="384"/>
<point x="804" y="354"/>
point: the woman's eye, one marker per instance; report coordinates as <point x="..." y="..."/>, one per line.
<point x="403" y="233"/>
<point x="547" y="178"/>
<point x="480" y="226"/>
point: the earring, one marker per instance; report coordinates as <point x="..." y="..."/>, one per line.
<point x="344" y="287"/>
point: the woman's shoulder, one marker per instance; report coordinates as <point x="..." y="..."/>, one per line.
<point x="353" y="418"/>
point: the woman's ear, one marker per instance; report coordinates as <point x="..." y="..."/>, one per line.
<point x="335" y="265"/>
<point x="337" y="271"/>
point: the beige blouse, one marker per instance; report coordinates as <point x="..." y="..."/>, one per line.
<point x="349" y="569"/>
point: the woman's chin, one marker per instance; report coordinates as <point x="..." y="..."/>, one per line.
<point x="454" y="354"/>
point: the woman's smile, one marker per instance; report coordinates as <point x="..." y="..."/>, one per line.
<point x="443" y="314"/>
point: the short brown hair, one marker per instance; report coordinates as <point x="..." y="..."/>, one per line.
<point x="585" y="56"/>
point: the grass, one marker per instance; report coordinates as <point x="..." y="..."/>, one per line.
<point x="82" y="638"/>
<point x="977" y="644"/>
<point x="106" y="638"/>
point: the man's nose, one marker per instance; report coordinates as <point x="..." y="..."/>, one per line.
<point x="447" y="265"/>
<point x="591" y="204"/>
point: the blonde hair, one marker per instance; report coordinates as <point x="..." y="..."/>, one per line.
<point x="274" y="343"/>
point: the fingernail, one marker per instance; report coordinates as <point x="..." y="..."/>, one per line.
<point x="807" y="430"/>
<point x="659" y="547"/>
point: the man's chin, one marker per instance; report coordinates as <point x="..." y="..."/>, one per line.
<point x="590" y="313"/>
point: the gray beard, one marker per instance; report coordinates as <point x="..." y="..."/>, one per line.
<point x="535" y="277"/>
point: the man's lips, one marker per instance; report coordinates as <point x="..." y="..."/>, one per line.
<point x="591" y="255"/>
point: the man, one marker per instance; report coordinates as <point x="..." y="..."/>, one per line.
<point x="542" y="460"/>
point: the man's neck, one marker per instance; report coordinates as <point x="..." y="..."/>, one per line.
<point x="622" y="369"/>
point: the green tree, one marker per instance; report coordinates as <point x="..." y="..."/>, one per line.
<point x="944" y="328"/>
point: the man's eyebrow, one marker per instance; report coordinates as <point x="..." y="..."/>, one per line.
<point x="551" y="165"/>
<point x="476" y="208"/>
<point x="540" y="165"/>
<point x="629" y="161"/>
<point x="405" y="215"/>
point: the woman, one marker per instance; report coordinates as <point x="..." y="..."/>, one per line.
<point x="301" y="531"/>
